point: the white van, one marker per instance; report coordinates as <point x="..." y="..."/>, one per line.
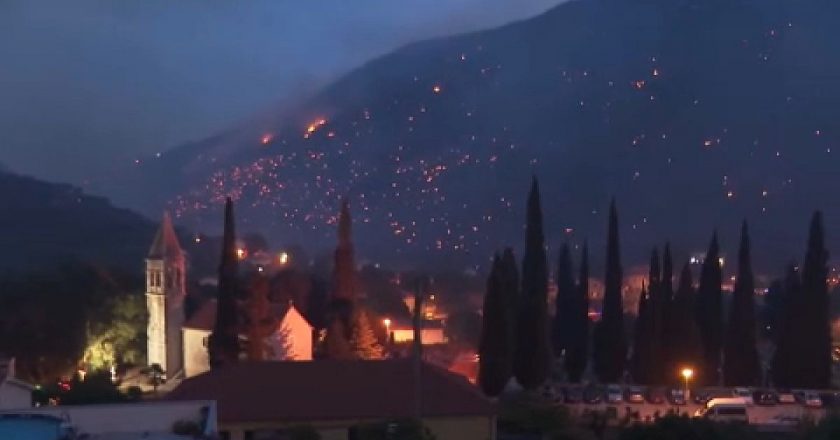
<point x="732" y="410"/>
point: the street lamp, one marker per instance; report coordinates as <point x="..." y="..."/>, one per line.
<point x="387" y="322"/>
<point x="687" y="373"/>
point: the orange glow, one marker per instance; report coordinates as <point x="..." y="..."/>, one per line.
<point x="241" y="253"/>
<point x="311" y="128"/>
<point x="687" y="373"/>
<point x="283" y="258"/>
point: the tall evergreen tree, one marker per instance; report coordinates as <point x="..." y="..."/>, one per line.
<point x="666" y="336"/>
<point x="815" y="318"/>
<point x="562" y="329"/>
<point x="788" y="333"/>
<point x="610" y="354"/>
<point x="741" y="363"/>
<point x="709" y="314"/>
<point x="344" y="267"/>
<point x="640" y="362"/>
<point x="336" y="344"/>
<point x="509" y="286"/>
<point x="495" y="352"/>
<point x="687" y="349"/>
<point x="260" y="323"/>
<point x="223" y="343"/>
<point x="653" y="334"/>
<point x="533" y="352"/>
<point x="577" y="352"/>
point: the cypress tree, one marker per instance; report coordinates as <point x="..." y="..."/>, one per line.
<point x="610" y="354"/>
<point x="577" y="352"/>
<point x="336" y="344"/>
<point x="344" y="268"/>
<point x="788" y="334"/>
<point x="223" y="343"/>
<point x="741" y="364"/>
<point x="709" y="314"/>
<point x="533" y="352"/>
<point x="667" y="298"/>
<point x="687" y="350"/>
<point x="653" y="334"/>
<point x="260" y="322"/>
<point x="640" y="360"/>
<point x="495" y="353"/>
<point x="562" y="329"/>
<point x="509" y="286"/>
<point x="816" y="341"/>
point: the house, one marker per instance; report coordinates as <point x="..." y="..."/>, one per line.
<point x="121" y="421"/>
<point x="14" y="394"/>
<point x="291" y="340"/>
<point x="257" y="399"/>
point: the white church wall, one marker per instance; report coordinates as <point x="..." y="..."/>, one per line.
<point x="196" y="359"/>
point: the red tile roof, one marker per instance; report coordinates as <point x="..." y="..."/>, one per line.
<point x="205" y="317"/>
<point x="325" y="390"/>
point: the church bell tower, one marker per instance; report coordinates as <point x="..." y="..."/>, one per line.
<point x="165" y="292"/>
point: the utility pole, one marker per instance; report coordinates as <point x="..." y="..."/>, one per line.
<point x="420" y="291"/>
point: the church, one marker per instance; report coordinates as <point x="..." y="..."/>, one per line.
<point x="179" y="345"/>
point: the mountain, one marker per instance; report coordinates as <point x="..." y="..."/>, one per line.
<point x="46" y="224"/>
<point x="694" y="114"/>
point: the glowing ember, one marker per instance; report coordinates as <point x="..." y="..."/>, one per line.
<point x="266" y="139"/>
<point x="311" y="128"/>
<point x="436" y="88"/>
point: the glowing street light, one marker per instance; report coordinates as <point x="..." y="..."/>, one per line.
<point x="387" y="322"/>
<point x="687" y="374"/>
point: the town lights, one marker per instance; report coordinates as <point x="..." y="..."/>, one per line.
<point x="283" y="258"/>
<point x="241" y="253"/>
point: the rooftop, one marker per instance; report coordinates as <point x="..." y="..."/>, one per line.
<point x="331" y="390"/>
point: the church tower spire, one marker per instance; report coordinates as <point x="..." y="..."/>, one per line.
<point x="165" y="292"/>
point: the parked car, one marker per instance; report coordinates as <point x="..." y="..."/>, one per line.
<point x="635" y="394"/>
<point x="765" y="397"/>
<point x="656" y="395"/>
<point x="785" y="421"/>
<point x="812" y="400"/>
<point x="786" y="397"/>
<point x="676" y="396"/>
<point x="573" y="394"/>
<point x="700" y="397"/>
<point x="744" y="393"/>
<point x="592" y="395"/>
<point x="727" y="410"/>
<point x="613" y="394"/>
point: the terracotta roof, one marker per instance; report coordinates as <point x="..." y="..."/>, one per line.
<point x="205" y="317"/>
<point x="326" y="390"/>
<point x="165" y="243"/>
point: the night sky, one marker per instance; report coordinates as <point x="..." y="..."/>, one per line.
<point x="87" y="83"/>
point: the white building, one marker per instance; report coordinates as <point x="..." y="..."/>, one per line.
<point x="14" y="394"/>
<point x="159" y="420"/>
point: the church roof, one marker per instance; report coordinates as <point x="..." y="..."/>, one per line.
<point x="205" y="317"/>
<point x="332" y="390"/>
<point x="165" y="243"/>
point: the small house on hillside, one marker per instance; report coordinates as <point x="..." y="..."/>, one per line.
<point x="258" y="399"/>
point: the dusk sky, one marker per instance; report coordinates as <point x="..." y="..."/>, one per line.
<point x="96" y="82"/>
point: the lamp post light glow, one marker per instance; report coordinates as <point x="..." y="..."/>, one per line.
<point x="387" y="323"/>
<point x="687" y="374"/>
